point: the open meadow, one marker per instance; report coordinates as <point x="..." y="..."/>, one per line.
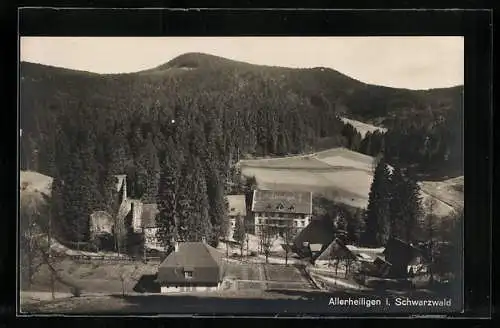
<point x="339" y="174"/>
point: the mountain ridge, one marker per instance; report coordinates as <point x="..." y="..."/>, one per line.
<point x="214" y="61"/>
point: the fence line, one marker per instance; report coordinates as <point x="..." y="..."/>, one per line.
<point x="86" y="258"/>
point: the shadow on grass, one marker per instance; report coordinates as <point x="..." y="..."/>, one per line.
<point x="271" y="302"/>
<point x="210" y="304"/>
<point x="147" y="284"/>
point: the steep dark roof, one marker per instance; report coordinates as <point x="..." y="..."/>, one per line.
<point x="282" y="201"/>
<point x="148" y="215"/>
<point x="339" y="248"/>
<point x="399" y="251"/>
<point x="318" y="231"/>
<point x="203" y="260"/>
<point x="237" y="205"/>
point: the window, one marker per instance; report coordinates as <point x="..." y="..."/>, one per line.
<point x="280" y="206"/>
<point x="188" y="274"/>
<point x="280" y="215"/>
<point x="232" y="209"/>
<point x="260" y="221"/>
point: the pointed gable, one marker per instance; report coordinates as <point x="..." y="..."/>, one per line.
<point x="282" y="201"/>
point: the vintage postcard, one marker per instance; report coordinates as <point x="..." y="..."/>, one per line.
<point x="240" y="175"/>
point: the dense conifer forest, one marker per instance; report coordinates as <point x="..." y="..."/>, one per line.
<point x="177" y="129"/>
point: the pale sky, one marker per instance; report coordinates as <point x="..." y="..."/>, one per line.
<point x="401" y="62"/>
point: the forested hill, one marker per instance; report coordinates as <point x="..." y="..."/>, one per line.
<point x="176" y="129"/>
<point x="223" y="78"/>
<point x="264" y="110"/>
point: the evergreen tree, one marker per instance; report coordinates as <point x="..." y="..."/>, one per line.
<point x="218" y="206"/>
<point x="149" y="171"/>
<point x="185" y="200"/>
<point x="198" y="223"/>
<point x="405" y="206"/>
<point x="119" y="152"/>
<point x="168" y="196"/>
<point x="355" y="226"/>
<point x="414" y="209"/>
<point x="239" y="233"/>
<point x="377" y="213"/>
<point x="397" y="207"/>
<point x="57" y="208"/>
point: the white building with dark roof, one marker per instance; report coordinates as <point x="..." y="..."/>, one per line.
<point x="281" y="209"/>
<point x="191" y="266"/>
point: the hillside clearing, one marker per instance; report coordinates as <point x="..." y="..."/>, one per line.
<point x="339" y="174"/>
<point x="363" y="128"/>
<point x="31" y="181"/>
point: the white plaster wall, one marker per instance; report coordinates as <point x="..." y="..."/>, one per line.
<point x="298" y="221"/>
<point x="151" y="239"/>
<point x="167" y="289"/>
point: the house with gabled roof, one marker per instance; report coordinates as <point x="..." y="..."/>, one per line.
<point x="281" y="209"/>
<point x="403" y="257"/>
<point x="317" y="232"/>
<point x="191" y="266"/>
<point x="367" y="259"/>
<point x="395" y="260"/>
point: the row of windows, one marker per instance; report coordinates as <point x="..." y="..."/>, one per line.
<point x="281" y="215"/>
<point x="300" y="223"/>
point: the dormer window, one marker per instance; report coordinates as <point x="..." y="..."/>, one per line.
<point x="292" y="208"/>
<point x="280" y="207"/>
<point x="188" y="274"/>
<point x="232" y="209"/>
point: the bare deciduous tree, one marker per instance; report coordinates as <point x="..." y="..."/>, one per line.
<point x="30" y="214"/>
<point x="430" y="221"/>
<point x="290" y="231"/>
<point x="268" y="235"/>
<point x="239" y="233"/>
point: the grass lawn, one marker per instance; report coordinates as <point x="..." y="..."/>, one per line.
<point x="276" y="272"/>
<point x="244" y="271"/>
<point x="93" y="278"/>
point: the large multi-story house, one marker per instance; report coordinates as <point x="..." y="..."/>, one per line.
<point x="281" y="209"/>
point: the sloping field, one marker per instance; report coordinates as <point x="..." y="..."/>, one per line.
<point x="338" y="174"/>
<point x="35" y="182"/>
<point x="449" y="191"/>
<point x="294" y="162"/>
<point x="361" y="127"/>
